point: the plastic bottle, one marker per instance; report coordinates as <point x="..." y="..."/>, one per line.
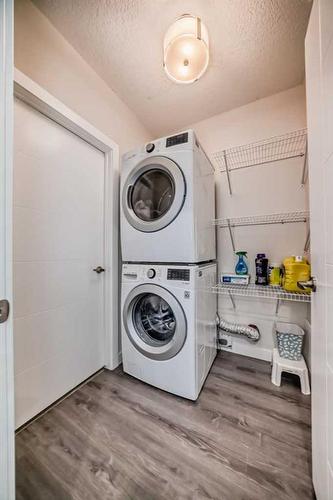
<point x="261" y="269"/>
<point x="274" y="274"/>
<point x="295" y="268"/>
<point x="241" y="266"/>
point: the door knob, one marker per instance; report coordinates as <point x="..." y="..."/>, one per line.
<point x="305" y="285"/>
<point x="99" y="270"/>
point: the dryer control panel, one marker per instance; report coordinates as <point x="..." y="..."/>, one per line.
<point x="176" y="139"/>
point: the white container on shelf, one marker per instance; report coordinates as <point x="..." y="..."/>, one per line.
<point x="235" y="279"/>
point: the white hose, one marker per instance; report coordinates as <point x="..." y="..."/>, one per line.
<point x="249" y="331"/>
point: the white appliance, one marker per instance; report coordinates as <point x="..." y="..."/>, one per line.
<point x="169" y="325"/>
<point x="168" y="202"/>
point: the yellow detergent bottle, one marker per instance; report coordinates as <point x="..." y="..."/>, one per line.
<point x="295" y="268"/>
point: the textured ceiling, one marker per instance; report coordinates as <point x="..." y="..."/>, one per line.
<point x="256" y="49"/>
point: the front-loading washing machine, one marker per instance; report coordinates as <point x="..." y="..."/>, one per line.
<point x="168" y="202"/>
<point x="169" y="325"/>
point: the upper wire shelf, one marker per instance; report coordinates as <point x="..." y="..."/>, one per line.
<point x="260" y="220"/>
<point x="282" y="147"/>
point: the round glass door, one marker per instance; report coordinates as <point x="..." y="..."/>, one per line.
<point x="153" y="194"/>
<point x="154" y="321"/>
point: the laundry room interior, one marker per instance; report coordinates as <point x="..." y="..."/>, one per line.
<point x="170" y="321"/>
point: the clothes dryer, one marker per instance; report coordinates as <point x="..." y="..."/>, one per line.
<point x="168" y="202"/>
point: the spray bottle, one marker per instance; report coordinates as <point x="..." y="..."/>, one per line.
<point x="241" y="266"/>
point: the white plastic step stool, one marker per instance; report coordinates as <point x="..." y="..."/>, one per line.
<point x="287" y="365"/>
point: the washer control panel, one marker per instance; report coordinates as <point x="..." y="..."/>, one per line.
<point x="178" y="274"/>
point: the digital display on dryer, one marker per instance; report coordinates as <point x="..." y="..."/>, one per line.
<point x="177" y="139"/>
<point x="178" y="274"/>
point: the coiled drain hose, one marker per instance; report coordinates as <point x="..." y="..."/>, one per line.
<point x="251" y="331"/>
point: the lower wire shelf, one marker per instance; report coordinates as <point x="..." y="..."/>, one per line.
<point x="261" y="291"/>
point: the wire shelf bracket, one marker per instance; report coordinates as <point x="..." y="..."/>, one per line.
<point x="307" y="241"/>
<point x="305" y="166"/>
<point x="227" y="171"/>
<point x="231" y="236"/>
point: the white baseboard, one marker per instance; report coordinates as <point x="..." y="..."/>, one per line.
<point x="252" y="351"/>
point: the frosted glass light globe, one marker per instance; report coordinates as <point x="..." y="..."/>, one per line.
<point x="186" y="50"/>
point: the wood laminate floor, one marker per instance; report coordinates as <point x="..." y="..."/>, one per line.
<point x="118" y="438"/>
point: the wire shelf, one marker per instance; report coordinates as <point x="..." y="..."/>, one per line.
<point x="291" y="145"/>
<point x="261" y="220"/>
<point x="260" y="291"/>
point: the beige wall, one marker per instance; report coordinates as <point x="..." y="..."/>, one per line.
<point x="264" y="189"/>
<point x="43" y="54"/>
<point x="273" y="115"/>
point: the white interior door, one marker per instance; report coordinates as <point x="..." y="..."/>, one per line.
<point x="7" y="467"/>
<point x="58" y="226"/>
<point x="319" y="88"/>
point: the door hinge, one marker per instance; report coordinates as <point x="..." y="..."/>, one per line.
<point x="4" y="310"/>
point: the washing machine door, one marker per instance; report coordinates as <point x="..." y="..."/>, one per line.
<point x="153" y="194"/>
<point x="155" y="322"/>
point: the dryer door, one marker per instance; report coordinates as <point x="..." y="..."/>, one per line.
<point x="154" y="321"/>
<point x="153" y="194"/>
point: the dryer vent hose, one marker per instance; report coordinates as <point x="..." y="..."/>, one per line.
<point x="251" y="331"/>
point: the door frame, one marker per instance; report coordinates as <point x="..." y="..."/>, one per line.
<point x="7" y="454"/>
<point x="39" y="99"/>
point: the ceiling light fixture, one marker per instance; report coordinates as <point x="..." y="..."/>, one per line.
<point x="186" y="49"/>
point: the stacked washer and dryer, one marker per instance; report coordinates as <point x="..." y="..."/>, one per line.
<point x="168" y="251"/>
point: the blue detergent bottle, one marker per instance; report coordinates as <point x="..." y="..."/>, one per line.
<point x="241" y="266"/>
